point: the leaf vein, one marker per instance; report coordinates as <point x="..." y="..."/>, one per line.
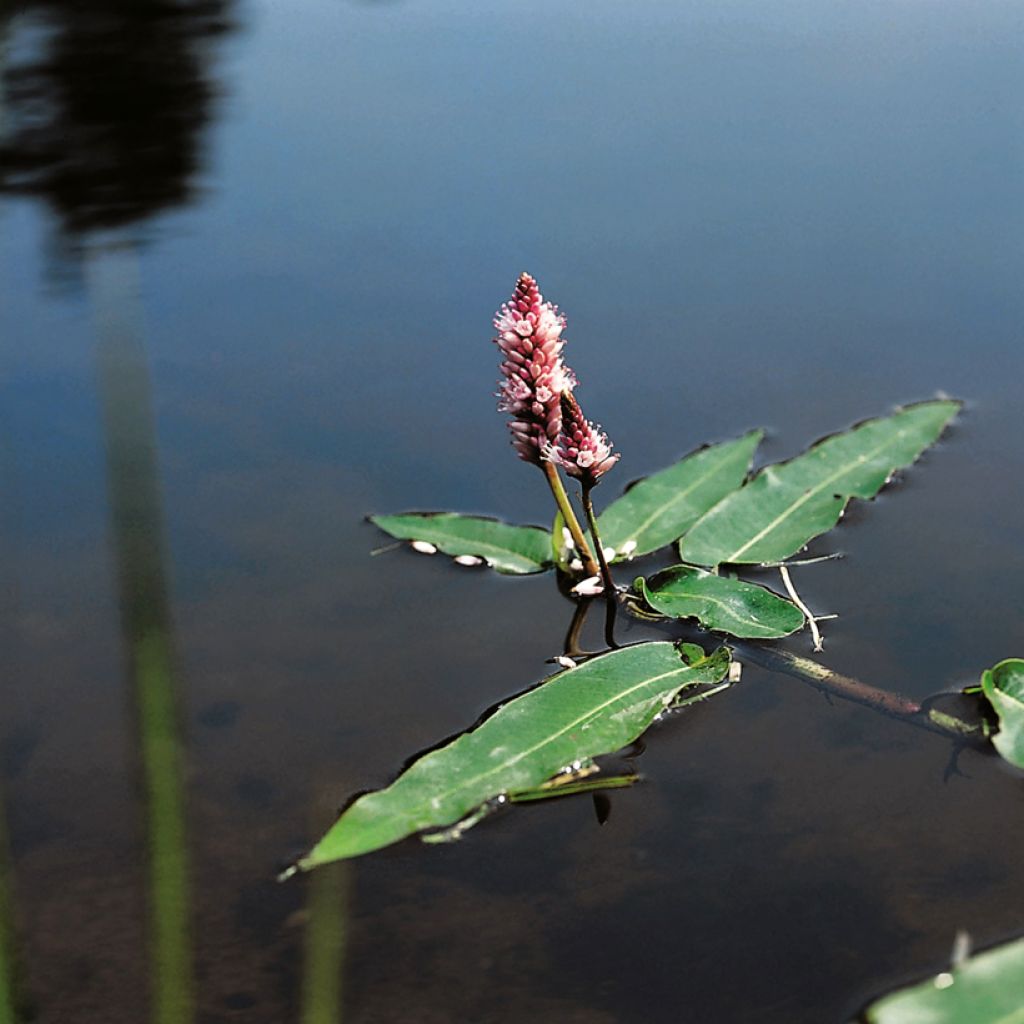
<point x="813" y="491"/>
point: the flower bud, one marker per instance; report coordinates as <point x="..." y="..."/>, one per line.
<point x="581" y="449"/>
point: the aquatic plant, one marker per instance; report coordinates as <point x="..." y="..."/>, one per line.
<point x="718" y="519"/>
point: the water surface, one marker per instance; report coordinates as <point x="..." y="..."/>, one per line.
<point x="249" y="257"/>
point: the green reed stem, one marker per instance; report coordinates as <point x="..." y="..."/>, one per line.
<point x="168" y="861"/>
<point x="326" y="941"/>
<point x="148" y="633"/>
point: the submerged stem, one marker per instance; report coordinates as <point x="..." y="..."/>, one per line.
<point x="562" y="501"/>
<point x="848" y="688"/>
<point x="572" y="648"/>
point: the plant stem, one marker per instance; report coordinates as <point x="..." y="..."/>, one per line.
<point x="848" y="688"/>
<point x="562" y="501"/>
<point x="606" y="573"/>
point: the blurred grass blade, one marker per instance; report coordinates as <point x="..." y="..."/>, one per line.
<point x="137" y="528"/>
<point x="326" y="940"/>
<point x="8" y="989"/>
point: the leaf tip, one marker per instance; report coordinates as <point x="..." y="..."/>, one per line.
<point x="291" y="871"/>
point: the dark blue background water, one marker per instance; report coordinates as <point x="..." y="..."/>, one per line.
<point x="791" y="215"/>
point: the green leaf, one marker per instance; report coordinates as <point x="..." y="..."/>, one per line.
<point x="1003" y="685"/>
<point x="595" y="708"/>
<point x="985" y="989"/>
<point x="660" y="509"/>
<point x="785" y="505"/>
<point x="717" y="602"/>
<point x="510" y="549"/>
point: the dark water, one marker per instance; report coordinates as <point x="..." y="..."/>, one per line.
<point x="249" y="257"/>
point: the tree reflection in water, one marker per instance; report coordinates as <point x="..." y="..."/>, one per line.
<point x="106" y="105"/>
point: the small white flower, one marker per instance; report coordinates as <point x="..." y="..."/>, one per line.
<point x="588" y="587"/>
<point x="567" y="537"/>
<point x="628" y="548"/>
<point x="468" y="560"/>
<point x="735" y="671"/>
<point x="424" y="547"/>
<point x="565" y="661"/>
<point x="609" y="554"/>
<point x="575" y="565"/>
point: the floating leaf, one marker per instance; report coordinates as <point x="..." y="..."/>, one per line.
<point x="661" y="508"/>
<point x="985" y="989"/>
<point x="785" y="505"/>
<point x="718" y="602"/>
<point x="1003" y="685"/>
<point x="510" y="549"/>
<point x="596" y="708"/>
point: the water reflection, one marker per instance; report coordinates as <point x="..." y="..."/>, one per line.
<point x="106" y="105"/>
<point x="148" y="636"/>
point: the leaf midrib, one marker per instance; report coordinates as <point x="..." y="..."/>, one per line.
<point x="551" y="737"/>
<point x="807" y="495"/>
<point x="571" y="725"/>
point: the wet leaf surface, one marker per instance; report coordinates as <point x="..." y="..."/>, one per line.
<point x="596" y="708"/>
<point x="517" y="550"/>
<point x="720" y="603"/>
<point x="785" y="505"/>
<point x="1003" y="686"/>
<point x="985" y="989"/>
<point x="661" y="508"/>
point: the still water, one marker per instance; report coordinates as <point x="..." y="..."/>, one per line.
<point x="248" y="257"/>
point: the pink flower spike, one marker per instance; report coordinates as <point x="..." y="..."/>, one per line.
<point x="529" y="335"/>
<point x="582" y="449"/>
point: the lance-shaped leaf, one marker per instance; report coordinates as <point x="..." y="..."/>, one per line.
<point x="661" y="508"/>
<point x="785" y="505"/>
<point x="985" y="989"/>
<point x="1003" y="686"/>
<point x="509" y="549"/>
<point x="717" y="602"/>
<point x="595" y="708"/>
